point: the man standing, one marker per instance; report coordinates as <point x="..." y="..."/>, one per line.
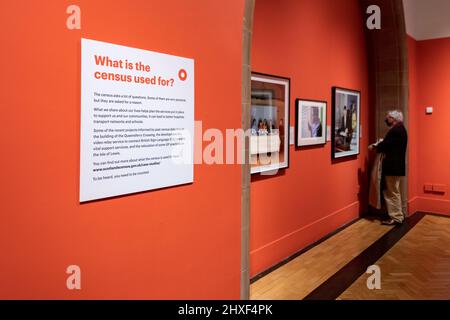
<point x="394" y="165"/>
<point x="344" y="119"/>
<point x="315" y="126"/>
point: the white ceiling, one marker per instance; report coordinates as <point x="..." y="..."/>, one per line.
<point x="427" y="19"/>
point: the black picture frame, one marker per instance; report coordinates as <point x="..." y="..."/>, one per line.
<point x="341" y="133"/>
<point x="298" y="127"/>
<point x="269" y="78"/>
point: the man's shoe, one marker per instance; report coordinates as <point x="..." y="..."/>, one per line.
<point x="390" y="222"/>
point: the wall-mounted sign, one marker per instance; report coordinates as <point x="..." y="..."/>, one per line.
<point x="137" y="120"/>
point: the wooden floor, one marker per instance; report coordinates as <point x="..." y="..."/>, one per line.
<point x="417" y="267"/>
<point x="299" y="277"/>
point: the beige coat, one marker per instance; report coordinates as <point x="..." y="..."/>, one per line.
<point x="375" y="182"/>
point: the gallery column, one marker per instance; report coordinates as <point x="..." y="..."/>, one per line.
<point x="245" y="176"/>
<point x="388" y="69"/>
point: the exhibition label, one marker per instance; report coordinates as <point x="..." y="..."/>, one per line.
<point x="137" y="120"/>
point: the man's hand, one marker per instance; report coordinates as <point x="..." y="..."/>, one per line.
<point x="373" y="146"/>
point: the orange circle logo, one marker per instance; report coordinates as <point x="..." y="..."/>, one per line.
<point x="182" y="74"/>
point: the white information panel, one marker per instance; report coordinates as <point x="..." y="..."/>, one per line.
<point x="137" y="120"/>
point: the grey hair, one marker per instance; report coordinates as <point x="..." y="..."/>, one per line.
<point x="396" y="114"/>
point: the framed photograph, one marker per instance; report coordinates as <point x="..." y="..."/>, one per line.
<point x="310" y="122"/>
<point x="269" y="139"/>
<point x="345" y="122"/>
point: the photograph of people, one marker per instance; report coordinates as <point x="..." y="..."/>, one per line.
<point x="310" y="119"/>
<point x="315" y="125"/>
<point x="254" y="127"/>
<point x="269" y="109"/>
<point x="346" y="122"/>
<point x="346" y="127"/>
<point x="281" y="133"/>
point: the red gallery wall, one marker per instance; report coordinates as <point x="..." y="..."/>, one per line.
<point x="317" y="44"/>
<point x="430" y="63"/>
<point x="413" y="129"/>
<point x="176" y="243"/>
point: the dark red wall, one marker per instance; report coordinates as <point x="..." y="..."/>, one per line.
<point x="430" y="144"/>
<point x="318" y="44"/>
<point x="176" y="243"/>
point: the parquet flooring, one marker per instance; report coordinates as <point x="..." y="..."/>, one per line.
<point x="417" y="267"/>
<point x="299" y="277"/>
